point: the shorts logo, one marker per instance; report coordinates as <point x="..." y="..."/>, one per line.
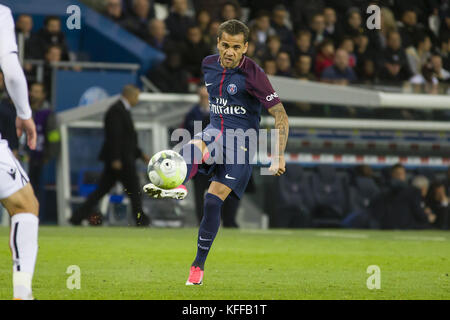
<point x="12" y="173"/>
<point x="232" y="89"/>
<point x="272" y="96"/>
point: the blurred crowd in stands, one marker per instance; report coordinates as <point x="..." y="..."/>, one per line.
<point x="321" y="40"/>
<point x="313" y="40"/>
<point x="359" y="197"/>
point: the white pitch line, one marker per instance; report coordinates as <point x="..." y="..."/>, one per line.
<point x="257" y="231"/>
<point x="420" y="238"/>
<point x="343" y="235"/>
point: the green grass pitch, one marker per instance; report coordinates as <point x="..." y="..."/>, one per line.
<point x="131" y="263"/>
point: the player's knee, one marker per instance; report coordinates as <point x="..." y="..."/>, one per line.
<point x="23" y="202"/>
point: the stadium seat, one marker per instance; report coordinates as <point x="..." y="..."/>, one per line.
<point x="294" y="199"/>
<point x="330" y="196"/>
<point x="361" y="193"/>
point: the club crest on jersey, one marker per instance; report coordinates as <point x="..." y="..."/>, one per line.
<point x="232" y="89"/>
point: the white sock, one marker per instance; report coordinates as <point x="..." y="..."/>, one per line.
<point x="24" y="246"/>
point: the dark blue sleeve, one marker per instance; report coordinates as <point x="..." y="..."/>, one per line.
<point x="259" y="86"/>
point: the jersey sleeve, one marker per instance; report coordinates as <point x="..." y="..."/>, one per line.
<point x="15" y="80"/>
<point x="259" y="86"/>
<point x="8" y="42"/>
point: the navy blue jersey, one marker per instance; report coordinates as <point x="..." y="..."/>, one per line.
<point x="237" y="95"/>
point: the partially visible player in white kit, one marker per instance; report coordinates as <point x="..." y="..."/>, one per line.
<point x="16" y="193"/>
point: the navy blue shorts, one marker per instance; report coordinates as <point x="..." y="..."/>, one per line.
<point x="228" y="162"/>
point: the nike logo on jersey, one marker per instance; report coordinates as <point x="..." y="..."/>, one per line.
<point x="207" y="84"/>
<point x="229" y="177"/>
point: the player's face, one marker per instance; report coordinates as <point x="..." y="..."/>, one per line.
<point x="231" y="49"/>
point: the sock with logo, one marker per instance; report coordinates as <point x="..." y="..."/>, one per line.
<point x="24" y="246"/>
<point x="192" y="155"/>
<point x="208" y="228"/>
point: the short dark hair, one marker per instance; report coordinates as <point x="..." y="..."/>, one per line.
<point x="233" y="27"/>
<point x="50" y="18"/>
<point x="397" y="166"/>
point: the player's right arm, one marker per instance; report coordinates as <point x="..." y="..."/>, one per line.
<point x="278" y="166"/>
<point x="15" y="81"/>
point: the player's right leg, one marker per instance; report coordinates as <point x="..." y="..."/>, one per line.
<point x="23" y="208"/>
<point x="193" y="153"/>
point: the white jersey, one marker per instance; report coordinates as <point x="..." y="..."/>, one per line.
<point x="12" y="175"/>
<point x="14" y="78"/>
<point x="7" y="35"/>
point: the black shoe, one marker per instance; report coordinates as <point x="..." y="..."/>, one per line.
<point x="143" y="220"/>
<point x="95" y="219"/>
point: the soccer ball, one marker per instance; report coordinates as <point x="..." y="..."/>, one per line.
<point x="167" y="169"/>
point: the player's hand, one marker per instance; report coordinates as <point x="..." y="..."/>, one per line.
<point x="30" y="130"/>
<point x="116" y="165"/>
<point x="278" y="166"/>
<point x="145" y="158"/>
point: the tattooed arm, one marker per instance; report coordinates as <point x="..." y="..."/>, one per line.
<point x="282" y="124"/>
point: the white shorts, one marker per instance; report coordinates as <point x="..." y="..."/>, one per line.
<point x="12" y="176"/>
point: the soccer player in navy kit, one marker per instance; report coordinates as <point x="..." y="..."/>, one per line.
<point x="237" y="88"/>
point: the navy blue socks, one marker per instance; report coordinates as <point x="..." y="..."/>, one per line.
<point x="208" y="228"/>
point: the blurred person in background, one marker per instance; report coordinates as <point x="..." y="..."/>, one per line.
<point x="402" y="206"/>
<point x="302" y="10"/>
<point x="437" y="201"/>
<point x="378" y="37"/>
<point x="8" y="116"/>
<point x="137" y="20"/>
<point x="348" y="45"/>
<point x="51" y="35"/>
<point x="425" y="82"/>
<point x="170" y="76"/>
<point x="365" y="71"/>
<point x="354" y="24"/>
<point x="332" y="28"/>
<point x="284" y="64"/>
<point x="410" y="30"/>
<point x="203" y="21"/>
<point x="441" y="74"/>
<point x="114" y="11"/>
<point x="230" y="10"/>
<point x="272" y="48"/>
<point x="157" y="35"/>
<point x="119" y="153"/>
<point x="394" y="63"/>
<point x="178" y="20"/>
<point x="340" y="72"/>
<point x="363" y="49"/>
<point x="419" y="54"/>
<point x="48" y="138"/>
<point x="260" y="30"/>
<point x="317" y="27"/>
<point x="279" y="24"/>
<point x="24" y="27"/>
<point x="324" y="57"/>
<point x="303" y="68"/>
<point x="53" y="54"/>
<point x="270" y="67"/>
<point x="303" y="44"/>
<point x="194" y="51"/>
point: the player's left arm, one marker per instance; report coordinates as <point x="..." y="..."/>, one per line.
<point x="278" y="166"/>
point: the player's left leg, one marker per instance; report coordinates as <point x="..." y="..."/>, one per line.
<point x="23" y="208"/>
<point x="209" y="226"/>
<point x="17" y="197"/>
